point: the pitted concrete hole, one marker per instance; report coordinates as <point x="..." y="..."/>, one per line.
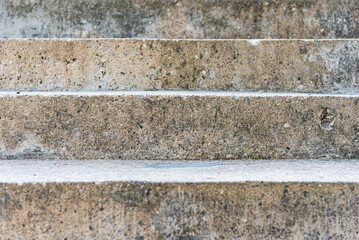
<point x="327" y="119"/>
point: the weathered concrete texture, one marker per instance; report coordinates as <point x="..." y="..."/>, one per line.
<point x="125" y="210"/>
<point x="180" y="19"/>
<point x="169" y="127"/>
<point x="240" y="65"/>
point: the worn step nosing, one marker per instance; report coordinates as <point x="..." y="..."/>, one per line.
<point x="174" y="171"/>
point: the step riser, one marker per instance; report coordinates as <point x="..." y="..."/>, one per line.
<point x="180" y="19"/>
<point x="170" y="210"/>
<point x="167" y="127"/>
<point x="77" y="65"/>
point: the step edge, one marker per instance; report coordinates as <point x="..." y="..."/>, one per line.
<point x="253" y="41"/>
<point x="170" y="93"/>
<point x="204" y="171"/>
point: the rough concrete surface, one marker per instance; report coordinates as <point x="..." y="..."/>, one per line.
<point x="126" y="64"/>
<point x="140" y="210"/>
<point x="237" y="126"/>
<point x="180" y="19"/>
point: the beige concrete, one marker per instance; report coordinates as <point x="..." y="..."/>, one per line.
<point x="180" y="19"/>
<point x="239" y="65"/>
<point x="257" y="126"/>
<point x="128" y="210"/>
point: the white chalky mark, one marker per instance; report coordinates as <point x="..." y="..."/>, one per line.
<point x="254" y="42"/>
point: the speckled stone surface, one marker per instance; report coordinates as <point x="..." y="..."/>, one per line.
<point x="129" y="210"/>
<point x="127" y="64"/>
<point x="179" y="127"/>
<point x="180" y="19"/>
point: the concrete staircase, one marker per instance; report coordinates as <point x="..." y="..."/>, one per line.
<point x="108" y="135"/>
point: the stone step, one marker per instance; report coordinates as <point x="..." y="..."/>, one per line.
<point x="321" y="66"/>
<point x="177" y="125"/>
<point x="180" y="19"/>
<point x="288" y="199"/>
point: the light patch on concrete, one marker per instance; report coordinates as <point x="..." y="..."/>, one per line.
<point x="254" y="42"/>
<point x="33" y="171"/>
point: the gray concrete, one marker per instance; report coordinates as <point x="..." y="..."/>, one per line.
<point x="302" y="170"/>
<point x="180" y="19"/>
<point x="325" y="66"/>
<point x="178" y="125"/>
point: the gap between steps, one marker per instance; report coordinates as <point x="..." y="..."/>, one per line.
<point x="253" y="41"/>
<point x="173" y="93"/>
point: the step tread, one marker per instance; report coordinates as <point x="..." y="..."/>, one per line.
<point x="43" y="171"/>
<point x="317" y="66"/>
<point x="184" y="127"/>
